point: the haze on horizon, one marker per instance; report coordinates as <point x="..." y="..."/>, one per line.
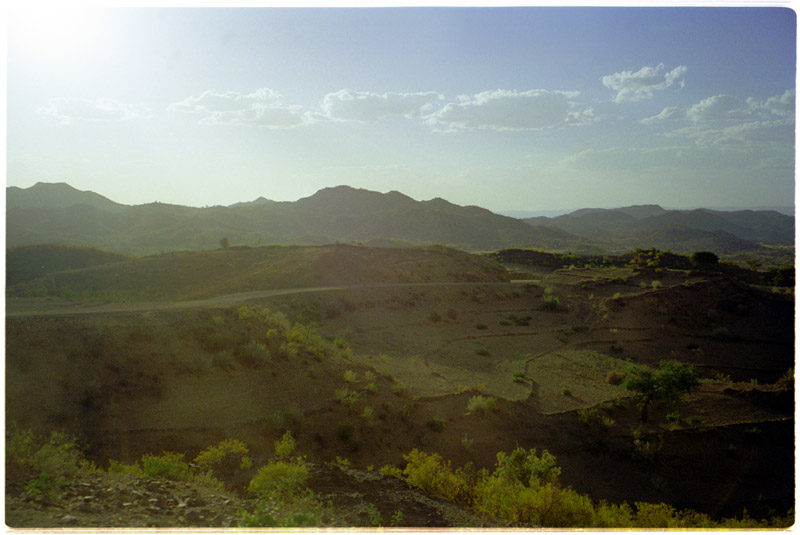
<point x="523" y="109"/>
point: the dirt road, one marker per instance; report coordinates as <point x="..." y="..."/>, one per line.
<point x="29" y="307"/>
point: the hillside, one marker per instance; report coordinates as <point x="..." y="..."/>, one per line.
<point x="680" y="230"/>
<point x="340" y="214"/>
<point x="28" y="262"/>
<point x="205" y="274"/>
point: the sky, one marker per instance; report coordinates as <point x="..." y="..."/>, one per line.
<point x="513" y="108"/>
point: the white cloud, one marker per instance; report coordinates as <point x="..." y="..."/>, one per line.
<point x="670" y="113"/>
<point x="511" y="110"/>
<point x="719" y="108"/>
<point x="781" y="105"/>
<point x="349" y="105"/>
<point x="263" y="107"/>
<point x="632" y="86"/>
<point x="729" y="108"/>
<point x="756" y="133"/>
<point x="101" y="110"/>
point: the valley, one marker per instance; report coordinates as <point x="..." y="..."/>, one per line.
<point x="364" y="355"/>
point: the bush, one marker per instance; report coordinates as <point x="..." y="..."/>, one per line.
<point x="254" y="355"/>
<point x="116" y="467"/>
<point x="436" y="424"/>
<point x="278" y="478"/>
<point x="350" y="376"/>
<point x="551" y="302"/>
<point x="704" y="259"/>
<point x="225" y="458"/>
<point x="432" y="474"/>
<point x="168" y="465"/>
<point x="284" y="447"/>
<point x="526" y="468"/>
<point x="480" y="404"/>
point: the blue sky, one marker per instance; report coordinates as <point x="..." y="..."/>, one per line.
<point x="528" y="108"/>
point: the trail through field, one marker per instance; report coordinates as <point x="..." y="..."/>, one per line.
<point x="28" y="307"/>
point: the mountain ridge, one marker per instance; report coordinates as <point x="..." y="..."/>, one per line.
<point x="60" y="213"/>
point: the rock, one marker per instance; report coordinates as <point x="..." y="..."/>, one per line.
<point x="69" y="520"/>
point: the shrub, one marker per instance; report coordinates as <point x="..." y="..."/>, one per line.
<point x="435" y="317"/>
<point x="216" y="342"/>
<point x="436" y="424"/>
<point x="284" y="447"/>
<point x="704" y="259"/>
<point x="253" y="355"/>
<point x="168" y="465"/>
<point x="467" y="442"/>
<point x="224" y="458"/>
<point x="298" y="513"/>
<point x="432" y="474"/>
<point x="116" y="467"/>
<point x="222" y="360"/>
<point x="615" y="377"/>
<point x="480" y="404"/>
<point x="481" y="326"/>
<point x="278" y="478"/>
<point x="391" y="471"/>
<point x="526" y="468"/>
<point x="350" y="376"/>
<point x="551" y="302"/>
<point x="566" y="391"/>
<point x="674" y="417"/>
<point x="367" y="412"/>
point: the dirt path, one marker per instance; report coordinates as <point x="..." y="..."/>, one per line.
<point x="28" y="307"/>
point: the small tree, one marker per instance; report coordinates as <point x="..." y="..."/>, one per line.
<point x="704" y="259"/>
<point x="669" y="383"/>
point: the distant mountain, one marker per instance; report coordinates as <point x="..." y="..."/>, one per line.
<point x="684" y="228"/>
<point x="58" y="195"/>
<point x="341" y="213"/>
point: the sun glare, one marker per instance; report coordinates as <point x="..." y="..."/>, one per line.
<point x="55" y="34"/>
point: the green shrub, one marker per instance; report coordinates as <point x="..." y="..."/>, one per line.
<point x="432" y="474"/>
<point x="350" y="376"/>
<point x="674" y="417"/>
<point x="300" y="510"/>
<point x="566" y="391"/>
<point x="526" y="468"/>
<point x="116" y="467"/>
<point x="480" y="404"/>
<point x="391" y="471"/>
<point x="551" y="302"/>
<point x="284" y="447"/>
<point x="168" y="465"/>
<point x="226" y="457"/>
<point x="254" y="355"/>
<point x="278" y="478"/>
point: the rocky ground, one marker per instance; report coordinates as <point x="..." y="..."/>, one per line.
<point x="101" y="500"/>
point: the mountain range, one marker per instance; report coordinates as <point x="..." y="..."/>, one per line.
<point x="48" y="212"/>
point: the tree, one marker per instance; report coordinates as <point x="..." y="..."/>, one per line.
<point x="225" y="243"/>
<point x="704" y="259"/>
<point x="669" y="383"/>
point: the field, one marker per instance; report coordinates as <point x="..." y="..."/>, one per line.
<point x="365" y="354"/>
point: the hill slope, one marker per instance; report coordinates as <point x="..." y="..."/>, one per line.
<point x="205" y="274"/>
<point x="59" y="213"/>
<point x="709" y="229"/>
